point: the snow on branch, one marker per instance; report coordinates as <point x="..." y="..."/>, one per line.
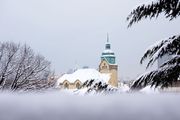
<point x="174" y="61"/>
<point x="98" y="86"/>
<point x="171" y="9"/>
<point x="163" y="77"/>
<point x="170" y="46"/>
<point x="169" y="72"/>
<point x="19" y="64"/>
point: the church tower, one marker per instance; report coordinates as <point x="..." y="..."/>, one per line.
<point x="108" y="64"/>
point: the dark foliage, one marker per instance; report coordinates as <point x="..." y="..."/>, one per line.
<point x="98" y="86"/>
<point x="169" y="72"/>
<point x="164" y="77"/>
<point x="171" y="9"/>
<point x="169" y="46"/>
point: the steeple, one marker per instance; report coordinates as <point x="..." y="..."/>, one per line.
<point x="108" y="54"/>
<point x="107" y="38"/>
<point x="108" y="64"/>
<point x="108" y="45"/>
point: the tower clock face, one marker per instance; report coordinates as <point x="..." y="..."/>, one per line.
<point x="112" y="60"/>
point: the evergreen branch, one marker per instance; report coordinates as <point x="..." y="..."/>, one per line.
<point x="163" y="77"/>
<point x="170" y="8"/>
<point x="169" y="46"/>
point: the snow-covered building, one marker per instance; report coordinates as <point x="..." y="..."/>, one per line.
<point x="108" y="72"/>
<point x="76" y="79"/>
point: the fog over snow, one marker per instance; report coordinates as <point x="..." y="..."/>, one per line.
<point x="72" y="33"/>
<point x="56" y="106"/>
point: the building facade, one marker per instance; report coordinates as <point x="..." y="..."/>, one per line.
<point x="108" y="72"/>
<point x="108" y="64"/>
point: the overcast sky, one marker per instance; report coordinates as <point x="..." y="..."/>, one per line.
<point x="72" y="33"/>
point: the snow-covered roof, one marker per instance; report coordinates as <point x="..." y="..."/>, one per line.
<point x="108" y="51"/>
<point x="107" y="55"/>
<point x="83" y="75"/>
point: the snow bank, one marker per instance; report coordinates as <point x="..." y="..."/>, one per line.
<point x="149" y="90"/>
<point x="123" y="88"/>
<point x="60" y="106"/>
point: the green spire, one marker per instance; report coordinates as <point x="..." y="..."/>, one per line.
<point x="108" y="54"/>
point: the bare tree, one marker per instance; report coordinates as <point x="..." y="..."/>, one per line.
<point x="19" y="65"/>
<point x="8" y="52"/>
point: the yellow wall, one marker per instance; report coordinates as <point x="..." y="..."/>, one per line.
<point x="105" y="67"/>
<point x="114" y="78"/>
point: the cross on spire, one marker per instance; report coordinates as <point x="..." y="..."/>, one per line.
<point x="108" y="45"/>
<point x="107" y="37"/>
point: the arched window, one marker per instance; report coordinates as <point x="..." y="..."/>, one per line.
<point x="66" y="85"/>
<point x="78" y="85"/>
<point x="104" y="66"/>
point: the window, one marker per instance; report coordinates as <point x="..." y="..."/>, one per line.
<point x="104" y="66"/>
<point x="66" y="85"/>
<point x="112" y="60"/>
<point x="78" y="85"/>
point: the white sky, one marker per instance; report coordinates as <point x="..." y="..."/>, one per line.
<point x="72" y="33"/>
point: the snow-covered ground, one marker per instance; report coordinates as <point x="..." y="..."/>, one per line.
<point x="150" y="90"/>
<point x="60" y="106"/>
